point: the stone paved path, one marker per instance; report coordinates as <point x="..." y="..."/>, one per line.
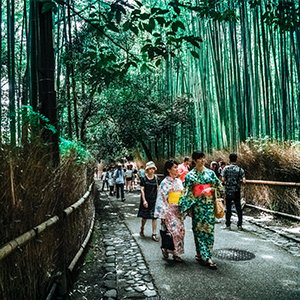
<point x="114" y="267"/>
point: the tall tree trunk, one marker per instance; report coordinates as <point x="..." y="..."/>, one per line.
<point x="20" y="93"/>
<point x="67" y="83"/>
<point x="33" y="46"/>
<point x="284" y="102"/>
<point x="247" y="96"/>
<point x="0" y="72"/>
<point x="58" y="67"/>
<point x="268" y="95"/>
<point x="26" y="83"/>
<point x="11" y="68"/>
<point x="72" y="73"/>
<point x="146" y="150"/>
<point x="46" y="69"/>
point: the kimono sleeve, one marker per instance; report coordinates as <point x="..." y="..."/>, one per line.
<point x="161" y="204"/>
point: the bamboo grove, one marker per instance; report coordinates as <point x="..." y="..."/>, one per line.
<point x="246" y="82"/>
<point x="158" y="77"/>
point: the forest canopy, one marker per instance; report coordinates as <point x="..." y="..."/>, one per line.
<point x="158" y="78"/>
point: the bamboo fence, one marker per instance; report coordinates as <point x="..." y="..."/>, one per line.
<point x="32" y="248"/>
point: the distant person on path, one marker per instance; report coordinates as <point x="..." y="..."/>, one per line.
<point x="215" y="167"/>
<point x="222" y="165"/>
<point x="198" y="201"/>
<point x="166" y="208"/>
<point x="141" y="172"/>
<point x="111" y="183"/>
<point x="149" y="186"/>
<point x="184" y="168"/>
<point x="233" y="176"/>
<point x="119" y="176"/>
<point x="134" y="179"/>
<point x="129" y="178"/>
<point x="104" y="178"/>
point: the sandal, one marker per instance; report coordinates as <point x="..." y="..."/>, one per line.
<point x="177" y="258"/>
<point x="207" y="263"/>
<point x="154" y="237"/>
<point x="199" y="259"/>
<point x="142" y="232"/>
<point x="165" y="253"/>
<point x="210" y="264"/>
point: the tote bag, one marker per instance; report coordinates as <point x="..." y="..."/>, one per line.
<point x="166" y="240"/>
<point x="219" y="208"/>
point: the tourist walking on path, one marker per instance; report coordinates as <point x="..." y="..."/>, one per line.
<point x="233" y="176"/>
<point x="198" y="200"/>
<point x="104" y="178"/>
<point x="149" y="186"/>
<point x="222" y="165"/>
<point x="141" y="172"/>
<point x="184" y="168"/>
<point x="119" y="176"/>
<point x="215" y="167"/>
<point x="129" y="178"/>
<point x="166" y="208"/>
<point x="111" y="182"/>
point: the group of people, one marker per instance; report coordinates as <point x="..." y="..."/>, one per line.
<point x="118" y="179"/>
<point x="189" y="191"/>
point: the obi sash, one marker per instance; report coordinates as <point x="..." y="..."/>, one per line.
<point x="200" y="190"/>
<point x="173" y="197"/>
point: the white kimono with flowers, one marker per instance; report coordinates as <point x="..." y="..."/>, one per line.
<point x="169" y="212"/>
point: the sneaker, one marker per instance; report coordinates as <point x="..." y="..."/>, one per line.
<point x="123" y="199"/>
<point x="240" y="228"/>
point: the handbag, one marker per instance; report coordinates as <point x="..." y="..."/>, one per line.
<point x="219" y="208"/>
<point x="166" y="240"/>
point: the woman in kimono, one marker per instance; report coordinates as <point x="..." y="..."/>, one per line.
<point x="166" y="209"/>
<point x="198" y="201"/>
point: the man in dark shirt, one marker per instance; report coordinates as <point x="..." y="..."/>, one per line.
<point x="232" y="176"/>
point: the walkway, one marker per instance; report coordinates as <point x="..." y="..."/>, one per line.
<point x="121" y="265"/>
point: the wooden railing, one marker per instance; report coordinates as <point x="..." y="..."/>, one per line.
<point x="29" y="235"/>
<point x="267" y="182"/>
<point x="32" y="257"/>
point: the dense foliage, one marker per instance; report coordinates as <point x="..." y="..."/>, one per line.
<point x="161" y="78"/>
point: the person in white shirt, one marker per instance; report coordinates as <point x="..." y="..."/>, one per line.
<point x="119" y="181"/>
<point x="128" y="178"/>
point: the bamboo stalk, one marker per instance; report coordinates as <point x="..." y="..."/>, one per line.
<point x="274" y="212"/>
<point x="25" y="237"/>
<point x="75" y="205"/>
<point x="54" y="286"/>
<point x="283" y="183"/>
<point x="12" y="182"/>
<point x="82" y="247"/>
<point x="12" y="245"/>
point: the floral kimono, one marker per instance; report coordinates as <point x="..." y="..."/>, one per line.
<point x="170" y="213"/>
<point x="201" y="206"/>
